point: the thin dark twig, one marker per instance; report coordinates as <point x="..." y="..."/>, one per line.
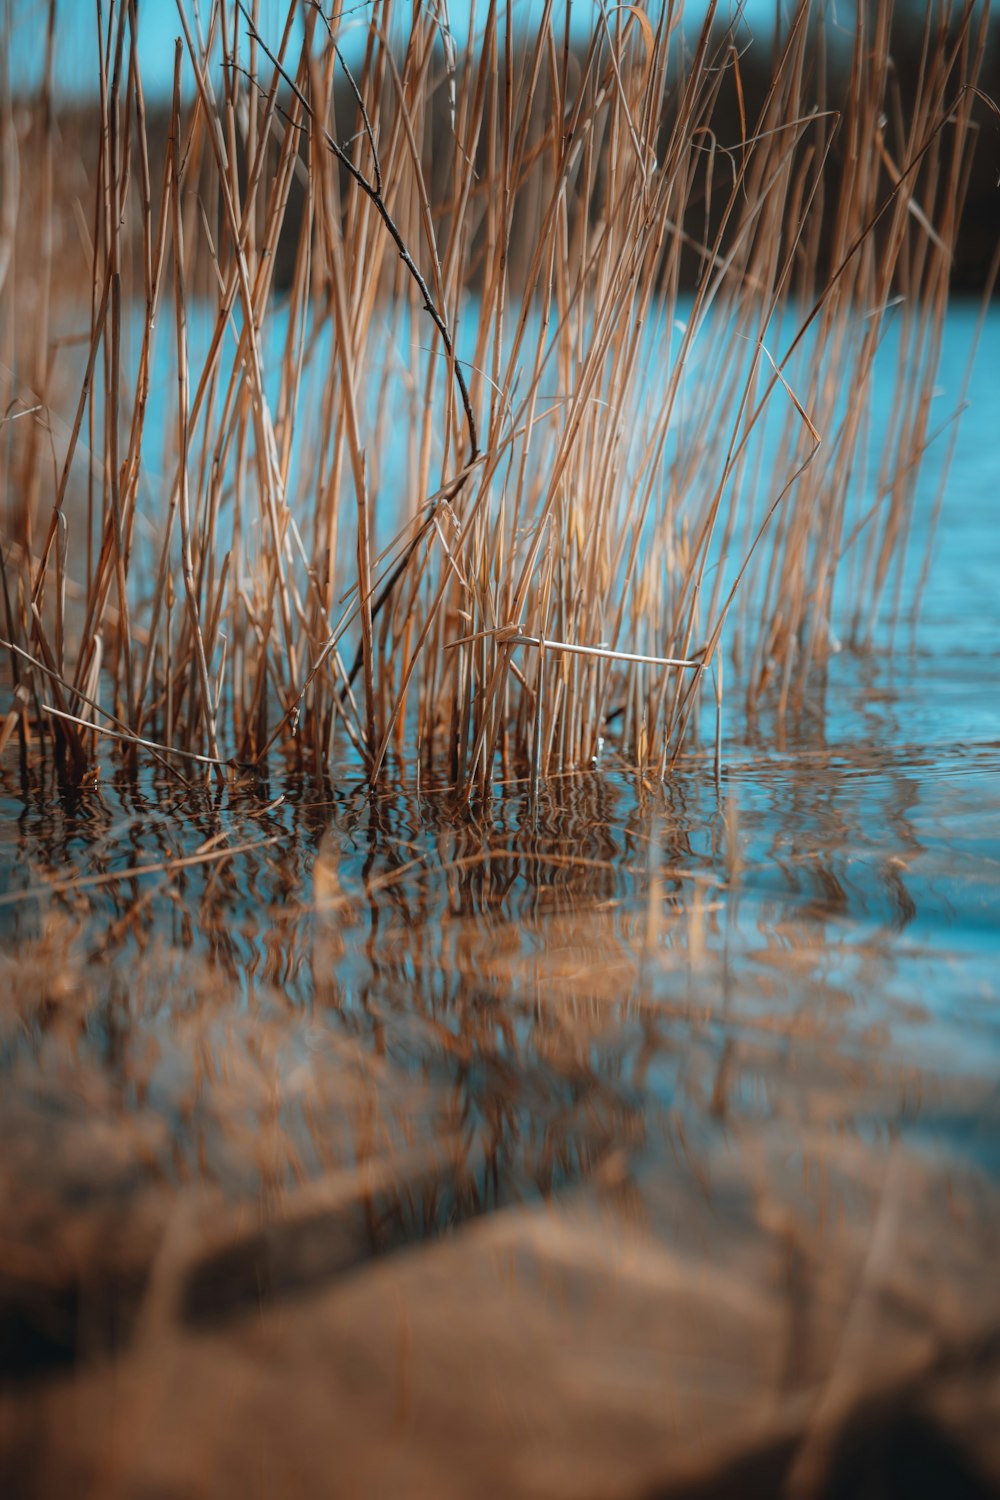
<point x="373" y="190"/>
<point x="401" y="567"/>
<point x="262" y="93"/>
<point x="377" y="165"/>
<point x="446" y="495"/>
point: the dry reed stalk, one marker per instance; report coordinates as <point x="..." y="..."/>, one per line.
<point x="482" y="332"/>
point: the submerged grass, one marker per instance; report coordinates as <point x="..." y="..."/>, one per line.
<point x="482" y="469"/>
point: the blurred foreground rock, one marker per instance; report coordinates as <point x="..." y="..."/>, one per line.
<point x="816" y="1323"/>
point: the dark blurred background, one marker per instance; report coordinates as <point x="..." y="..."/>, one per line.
<point x="746" y="57"/>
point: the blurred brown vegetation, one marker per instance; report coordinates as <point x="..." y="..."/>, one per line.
<point x="743" y="89"/>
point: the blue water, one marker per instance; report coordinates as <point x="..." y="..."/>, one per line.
<point x="812" y="942"/>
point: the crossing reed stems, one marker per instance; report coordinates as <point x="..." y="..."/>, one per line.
<point x="507" y="388"/>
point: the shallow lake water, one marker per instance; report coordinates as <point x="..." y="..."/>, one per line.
<point x="715" y="1057"/>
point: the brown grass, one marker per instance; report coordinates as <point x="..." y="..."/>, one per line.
<point x="585" y="515"/>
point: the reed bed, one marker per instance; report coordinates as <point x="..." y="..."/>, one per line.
<point x="562" y="404"/>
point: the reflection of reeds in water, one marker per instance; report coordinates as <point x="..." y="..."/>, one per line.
<point x="660" y="1136"/>
<point x="574" y="477"/>
<point x="600" y="1075"/>
<point x="345" y="976"/>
